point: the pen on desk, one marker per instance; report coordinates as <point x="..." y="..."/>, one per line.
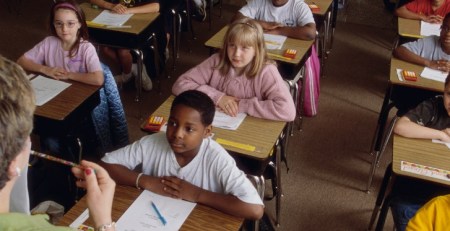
<point x="56" y="159"/>
<point x="163" y="220"/>
<point x="123" y="26"/>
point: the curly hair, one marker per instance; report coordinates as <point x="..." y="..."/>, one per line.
<point x="17" y="104"/>
<point x="199" y="101"/>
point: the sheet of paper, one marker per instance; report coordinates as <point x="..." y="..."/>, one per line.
<point x="46" y="88"/>
<point x="108" y="18"/>
<point x="427" y="29"/>
<point x="441" y="142"/>
<point x="274" y="42"/>
<point x="399" y="74"/>
<point x="432" y="74"/>
<point x="222" y="120"/>
<point x="425" y="170"/>
<point x="141" y="216"/>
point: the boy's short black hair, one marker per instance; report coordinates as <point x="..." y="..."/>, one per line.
<point x="198" y="101"/>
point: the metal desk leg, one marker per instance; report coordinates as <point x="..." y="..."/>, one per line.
<point x="260" y="186"/>
<point x="302" y="97"/>
<point x="386" y="184"/>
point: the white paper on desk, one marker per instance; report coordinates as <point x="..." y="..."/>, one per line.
<point x="432" y="74"/>
<point x="46" y="88"/>
<point x="108" y="18"/>
<point x="440" y="142"/>
<point x="399" y="74"/>
<point x="274" y="42"/>
<point x="427" y="29"/>
<point x="141" y="216"/>
<point x="222" y="120"/>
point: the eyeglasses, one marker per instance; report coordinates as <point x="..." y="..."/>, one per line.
<point x="69" y="24"/>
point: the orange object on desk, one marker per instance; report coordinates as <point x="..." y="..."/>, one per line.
<point x="154" y="123"/>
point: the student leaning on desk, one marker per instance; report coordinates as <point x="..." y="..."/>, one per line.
<point x="186" y="163"/>
<point x="291" y="18"/>
<point x="429" y="120"/>
<point x="432" y="11"/>
<point x="16" y="122"/>
<point x="241" y="78"/>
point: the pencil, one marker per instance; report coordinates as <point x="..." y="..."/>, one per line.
<point x="52" y="158"/>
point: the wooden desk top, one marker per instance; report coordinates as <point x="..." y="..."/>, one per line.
<point x="423" y="152"/>
<point x="260" y="133"/>
<point x="201" y="218"/>
<point x="302" y="47"/>
<point x="61" y="106"/>
<point x="422" y="83"/>
<point x="324" y="6"/>
<point x="138" y="22"/>
<point x="409" y="28"/>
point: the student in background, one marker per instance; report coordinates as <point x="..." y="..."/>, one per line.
<point x="123" y="56"/>
<point x="433" y="216"/>
<point x="67" y="53"/>
<point x="186" y="163"/>
<point x="291" y="18"/>
<point x="429" y="120"/>
<point x="17" y="106"/>
<point x="432" y="51"/>
<point x="432" y="11"/>
<point x="241" y="78"/>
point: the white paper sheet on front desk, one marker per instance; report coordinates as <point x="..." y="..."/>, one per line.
<point x="46" y="89"/>
<point x="141" y="216"/>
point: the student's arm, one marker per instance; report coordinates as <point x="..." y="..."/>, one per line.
<point x="117" y="8"/>
<point x="125" y="176"/>
<point x="200" y="78"/>
<point x="178" y="188"/>
<point x="92" y="78"/>
<point x="307" y="32"/>
<point x="405" y="127"/>
<point x="267" y="26"/>
<point x="146" y="8"/>
<point x="403" y="12"/>
<point x="30" y="65"/>
<point x="275" y="101"/>
<point x="403" y="53"/>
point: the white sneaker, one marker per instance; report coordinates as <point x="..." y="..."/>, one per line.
<point x="126" y="77"/>
<point x="147" y="84"/>
<point x="118" y="79"/>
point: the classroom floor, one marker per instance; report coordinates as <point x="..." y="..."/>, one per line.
<point x="329" y="161"/>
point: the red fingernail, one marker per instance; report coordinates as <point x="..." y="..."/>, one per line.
<point x="88" y="171"/>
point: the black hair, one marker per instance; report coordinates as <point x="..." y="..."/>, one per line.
<point x="198" y="101"/>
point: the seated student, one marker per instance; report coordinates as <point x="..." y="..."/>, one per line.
<point x="433" y="216"/>
<point x="431" y="51"/>
<point x="291" y="18"/>
<point x="17" y="106"/>
<point x="429" y="120"/>
<point x="432" y="11"/>
<point x="123" y="56"/>
<point x="186" y="163"/>
<point x="67" y="53"/>
<point x="241" y="78"/>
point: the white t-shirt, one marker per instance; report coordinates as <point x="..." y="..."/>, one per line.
<point x="428" y="48"/>
<point x="293" y="13"/>
<point x="212" y="169"/>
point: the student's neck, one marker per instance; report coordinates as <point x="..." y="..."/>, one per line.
<point x="66" y="45"/>
<point x="184" y="160"/>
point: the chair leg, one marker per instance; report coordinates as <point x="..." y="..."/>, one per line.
<point x="381" y="194"/>
<point x="386" y="138"/>
<point x="279" y="188"/>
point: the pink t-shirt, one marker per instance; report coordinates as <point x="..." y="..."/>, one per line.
<point x="423" y="7"/>
<point x="265" y="96"/>
<point x="49" y="52"/>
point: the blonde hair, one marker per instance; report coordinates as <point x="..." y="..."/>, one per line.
<point x="246" y="32"/>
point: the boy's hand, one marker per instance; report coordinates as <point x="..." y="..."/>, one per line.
<point x="442" y="65"/>
<point x="181" y="189"/>
<point x="153" y="184"/>
<point x="435" y="19"/>
<point x="267" y="26"/>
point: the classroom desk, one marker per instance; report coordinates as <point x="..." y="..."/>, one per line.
<point x="263" y="134"/>
<point x="418" y="151"/>
<point x="409" y="28"/>
<point x="323" y="18"/>
<point x="135" y="38"/>
<point x="388" y="104"/>
<point x="64" y="112"/>
<point x="201" y="218"/>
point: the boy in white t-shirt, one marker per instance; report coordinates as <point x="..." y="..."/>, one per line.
<point x="186" y="163"/>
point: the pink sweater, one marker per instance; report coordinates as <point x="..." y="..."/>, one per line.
<point x="265" y="96"/>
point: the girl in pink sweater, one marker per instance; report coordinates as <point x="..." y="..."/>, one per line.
<point x="241" y="78"/>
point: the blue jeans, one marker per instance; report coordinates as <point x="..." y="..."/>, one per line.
<point x="403" y="209"/>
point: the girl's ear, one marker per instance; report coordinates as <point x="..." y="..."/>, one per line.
<point x="207" y="131"/>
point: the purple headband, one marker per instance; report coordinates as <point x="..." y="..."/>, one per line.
<point x="65" y="5"/>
